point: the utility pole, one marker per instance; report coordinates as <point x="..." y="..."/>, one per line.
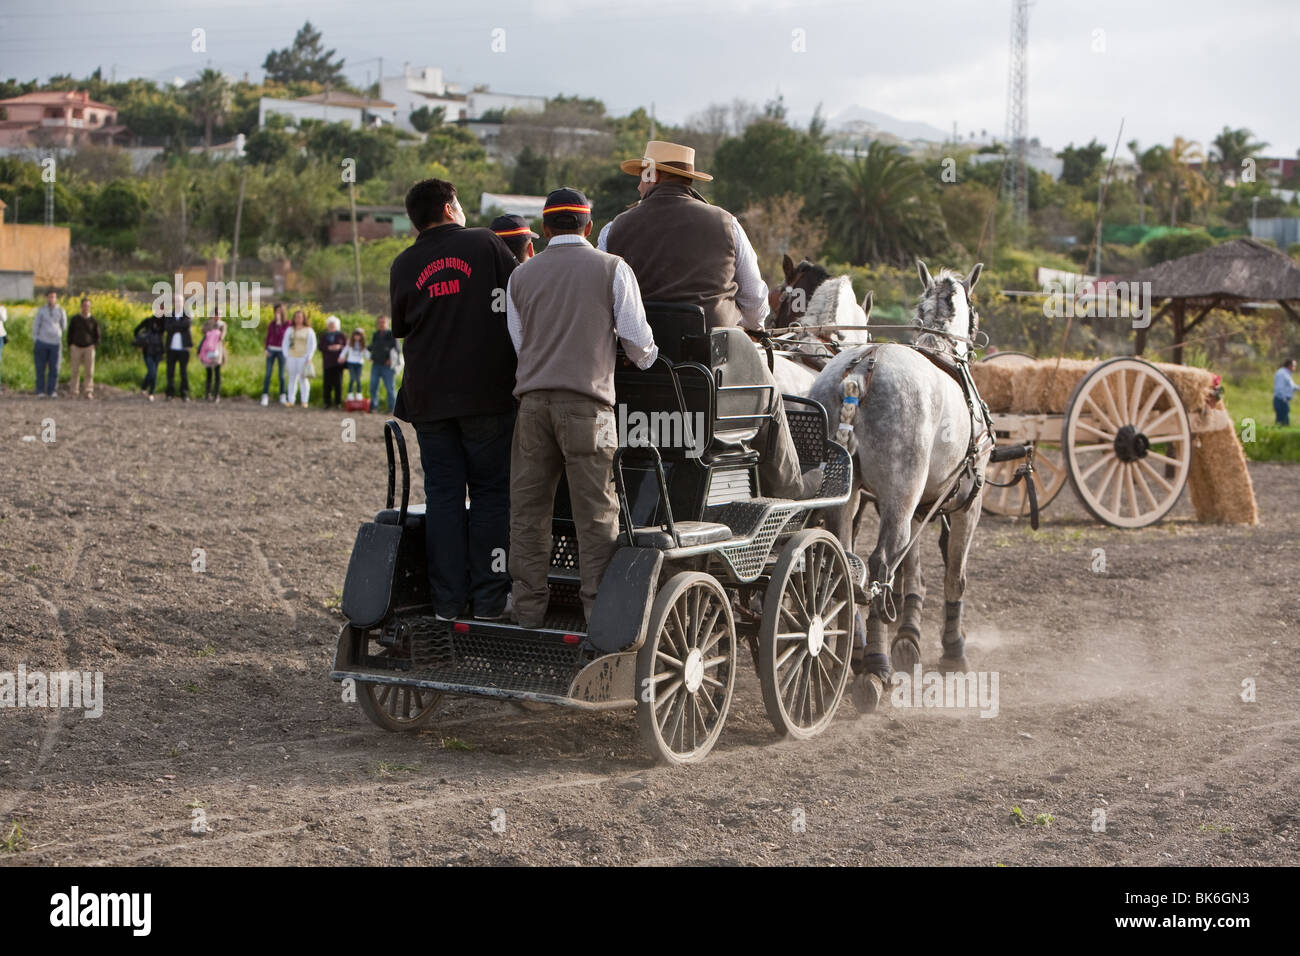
<point x="356" y="243"/>
<point x="239" y="214"/>
<point x="652" y="119"/>
<point x="1101" y="192"/>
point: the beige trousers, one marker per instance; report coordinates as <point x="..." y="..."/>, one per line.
<point x="558" y="432"/>
<point x="81" y="358"/>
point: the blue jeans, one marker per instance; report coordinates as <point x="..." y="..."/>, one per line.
<point x="467" y="549"/>
<point x="150" y="373"/>
<point x="271" y="361"/>
<point x="354" y="377"/>
<point x="1282" y="409"/>
<point x="383" y="373"/>
<point x="47" y="367"/>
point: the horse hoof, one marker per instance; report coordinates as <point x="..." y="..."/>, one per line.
<point x="905" y="653"/>
<point x="867" y="691"/>
<point x="954" y="665"/>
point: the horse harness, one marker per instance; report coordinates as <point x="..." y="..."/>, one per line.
<point x="981" y="433"/>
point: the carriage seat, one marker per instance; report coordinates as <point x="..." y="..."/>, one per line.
<point x="691" y="533"/>
<point x="414" y="517"/>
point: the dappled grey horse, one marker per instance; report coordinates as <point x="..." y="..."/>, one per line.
<point x="919" y="447"/>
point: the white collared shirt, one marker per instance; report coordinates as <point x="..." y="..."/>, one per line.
<point x="629" y="314"/>
<point x="751" y="290"/>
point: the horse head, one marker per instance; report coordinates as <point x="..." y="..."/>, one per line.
<point x="801" y="281"/>
<point x="946" y="306"/>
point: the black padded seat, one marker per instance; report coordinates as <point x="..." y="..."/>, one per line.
<point x="414" y="516"/>
<point x="692" y="533"/>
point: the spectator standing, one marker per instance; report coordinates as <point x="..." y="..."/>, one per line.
<point x="299" y="347"/>
<point x="48" y="326"/>
<point x="332" y="344"/>
<point x="149" y="337"/>
<point x="178" y="330"/>
<point x="353" y="357"/>
<point x="212" y="353"/>
<point x="83" y="338"/>
<point x="1284" y="388"/>
<point x="384" y="358"/>
<point x="516" y="234"/>
<point x="275" y="353"/>
<point x="4" y="317"/>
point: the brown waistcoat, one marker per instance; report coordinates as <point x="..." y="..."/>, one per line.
<point x="565" y="300"/>
<point x="681" y="250"/>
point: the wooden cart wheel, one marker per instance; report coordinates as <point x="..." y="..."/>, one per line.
<point x="1012" y="358"/>
<point x="805" y="642"/>
<point x="394" y="708"/>
<point x="1049" y="479"/>
<point x="1128" y="444"/>
<point x="686" y="669"/>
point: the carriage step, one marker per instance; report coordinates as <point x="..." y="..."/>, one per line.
<point x="494" y="655"/>
<point x="857" y="568"/>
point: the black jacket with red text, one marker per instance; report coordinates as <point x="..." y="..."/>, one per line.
<point x="447" y="307"/>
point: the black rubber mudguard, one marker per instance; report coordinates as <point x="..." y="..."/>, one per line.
<point x="627" y="590"/>
<point x="368" y="588"/>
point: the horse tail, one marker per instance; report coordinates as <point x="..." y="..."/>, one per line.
<point x="850" y="394"/>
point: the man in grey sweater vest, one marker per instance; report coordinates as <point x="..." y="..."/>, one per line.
<point x="564" y="309"/>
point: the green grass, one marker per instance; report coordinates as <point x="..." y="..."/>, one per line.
<point x="1250" y="398"/>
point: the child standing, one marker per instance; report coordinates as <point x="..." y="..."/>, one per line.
<point x="354" y="356"/>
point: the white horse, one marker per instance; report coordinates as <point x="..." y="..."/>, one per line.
<point x="915" y="443"/>
<point x="830" y="303"/>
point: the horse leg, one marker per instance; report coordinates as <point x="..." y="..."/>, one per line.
<point x="909" y="594"/>
<point x="956" y="547"/>
<point x="895" y="524"/>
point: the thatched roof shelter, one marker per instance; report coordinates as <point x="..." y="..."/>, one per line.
<point x="1229" y="276"/>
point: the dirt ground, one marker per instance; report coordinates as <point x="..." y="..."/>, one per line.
<point x="1120" y="692"/>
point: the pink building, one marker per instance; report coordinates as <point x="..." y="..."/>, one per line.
<point x="56" y="118"/>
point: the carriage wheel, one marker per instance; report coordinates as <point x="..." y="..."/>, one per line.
<point x="1049" y="479"/>
<point x="1128" y="445"/>
<point x="686" y="669"/>
<point x="805" y="643"/>
<point x="394" y="708"/>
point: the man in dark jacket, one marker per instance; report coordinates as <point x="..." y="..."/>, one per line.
<point x="179" y="339"/>
<point x="448" y="304"/>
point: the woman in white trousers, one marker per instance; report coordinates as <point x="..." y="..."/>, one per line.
<point x="299" y="347"/>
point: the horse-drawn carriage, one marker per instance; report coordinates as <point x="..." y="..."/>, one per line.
<point x="705" y="561"/>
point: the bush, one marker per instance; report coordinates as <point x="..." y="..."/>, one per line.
<point x="1175" y="245"/>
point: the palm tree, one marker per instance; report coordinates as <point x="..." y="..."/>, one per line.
<point x="881" y="208"/>
<point x="1182" y="180"/>
<point x="209" y="101"/>
<point x="1232" y="147"/>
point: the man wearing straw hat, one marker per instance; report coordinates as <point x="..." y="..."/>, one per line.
<point x="682" y="249"/>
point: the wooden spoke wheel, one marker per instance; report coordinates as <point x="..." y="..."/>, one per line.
<point x="686" y="669"/>
<point x="1049" y="479"/>
<point x="1128" y="444"/>
<point x="390" y="706"/>
<point x="1012" y="358"/>
<point x="805" y="642"/>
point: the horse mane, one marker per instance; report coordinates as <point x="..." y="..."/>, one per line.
<point x="833" y="303"/>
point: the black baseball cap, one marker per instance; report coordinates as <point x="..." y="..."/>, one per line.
<point x="510" y="227"/>
<point x="566" y="208"/>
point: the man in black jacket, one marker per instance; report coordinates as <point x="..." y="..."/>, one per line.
<point x="448" y="304"/>
<point x="179" y="339"/>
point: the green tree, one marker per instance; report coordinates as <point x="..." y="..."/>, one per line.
<point x="1231" y="148"/>
<point x="882" y="210"/>
<point x="771" y="159"/>
<point x="305" y="61"/>
<point x="119" y="205"/>
<point x="1081" y="163"/>
<point x="209" y="100"/>
<point x="425" y="119"/>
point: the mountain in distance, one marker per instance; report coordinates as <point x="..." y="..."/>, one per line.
<point x="904" y="129"/>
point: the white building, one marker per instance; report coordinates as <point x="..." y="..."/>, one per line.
<point x="530" y="207"/>
<point x="415" y="87"/>
<point x="330" y="107"/>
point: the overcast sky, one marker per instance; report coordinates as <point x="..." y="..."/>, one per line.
<point x="1167" y="66"/>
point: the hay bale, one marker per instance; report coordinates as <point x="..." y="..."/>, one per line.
<point x="1193" y="385"/>
<point x="994" y="381"/>
<point x="1219" y="483"/>
<point x="1042" y="387"/>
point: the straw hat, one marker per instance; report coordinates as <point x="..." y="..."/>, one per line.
<point x="679" y="160"/>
